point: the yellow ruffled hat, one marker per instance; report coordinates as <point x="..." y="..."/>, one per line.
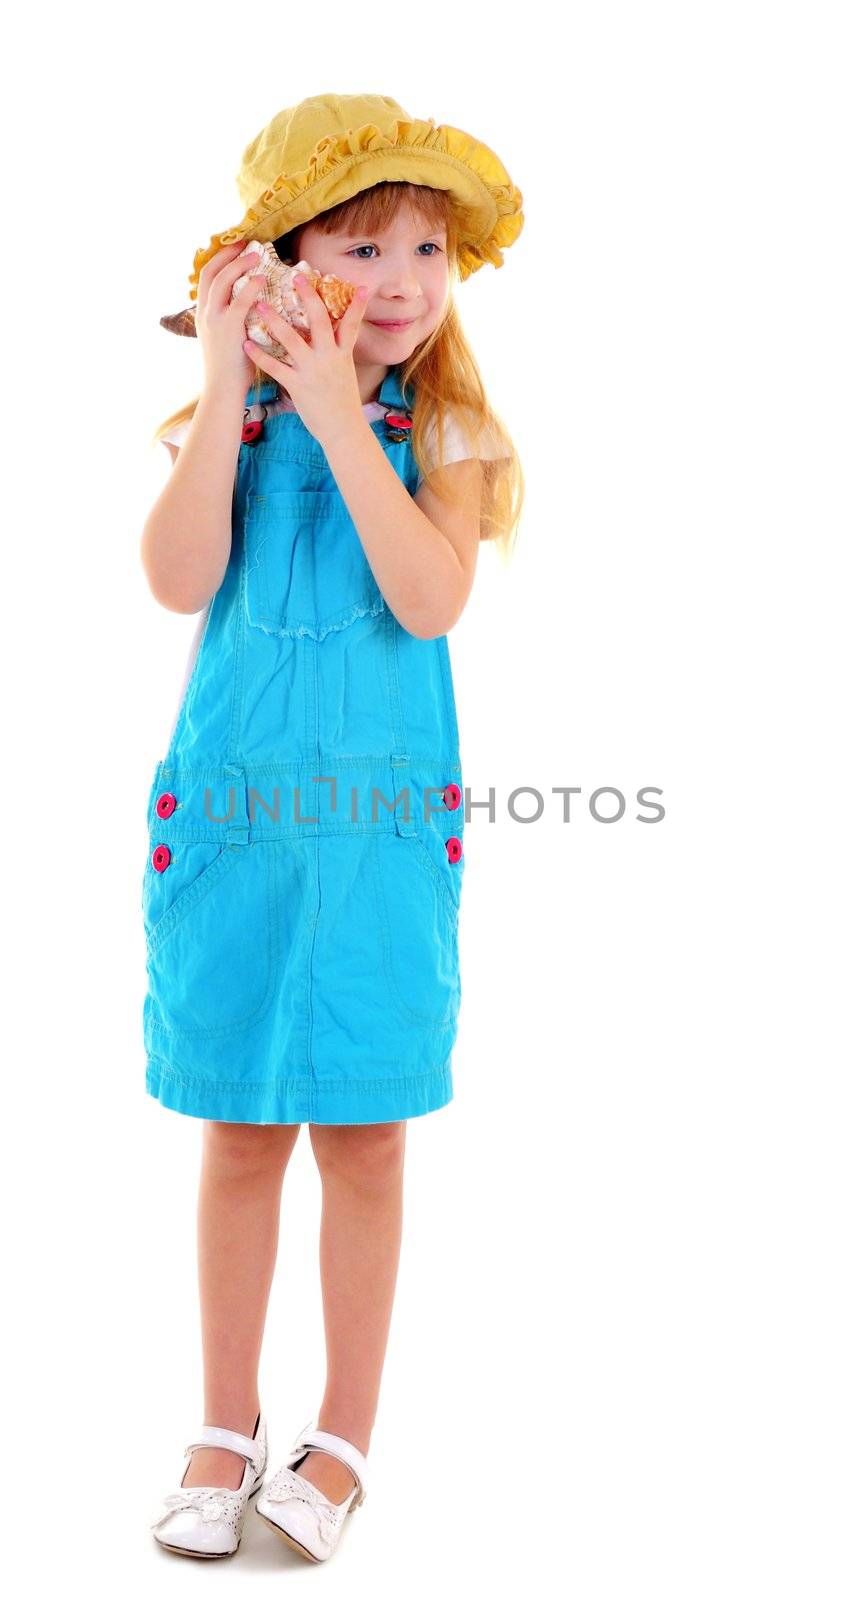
<point x="326" y="149"/>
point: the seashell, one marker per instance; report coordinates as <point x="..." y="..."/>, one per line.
<point x="279" y="292"/>
<point x="181" y="322"/>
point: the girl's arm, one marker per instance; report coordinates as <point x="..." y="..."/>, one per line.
<point x="185" y="545"/>
<point x="424" y="563"/>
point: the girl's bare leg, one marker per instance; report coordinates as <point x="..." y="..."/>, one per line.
<point x="242" y="1174"/>
<point x="361" y="1169"/>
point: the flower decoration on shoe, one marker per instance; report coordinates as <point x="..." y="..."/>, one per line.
<point x="289" y="1485"/>
<point x="210" y="1504"/>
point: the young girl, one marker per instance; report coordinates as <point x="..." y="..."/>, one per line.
<point x="303" y="882"/>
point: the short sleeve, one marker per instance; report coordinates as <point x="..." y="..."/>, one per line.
<point x="177" y="434"/>
<point x="457" y="445"/>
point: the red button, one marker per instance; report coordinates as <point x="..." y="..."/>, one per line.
<point x="454" y="849"/>
<point x="166" y="804"/>
<point x="161" y="857"/>
<point x="451" y="796"/>
<point x="251" y="431"/>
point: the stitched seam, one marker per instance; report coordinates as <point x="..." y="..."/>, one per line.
<point x="334" y="1085"/>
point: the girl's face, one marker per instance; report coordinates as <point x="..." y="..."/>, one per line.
<point x="406" y="270"/>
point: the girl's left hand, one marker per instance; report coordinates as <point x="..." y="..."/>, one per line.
<point x="321" y="378"/>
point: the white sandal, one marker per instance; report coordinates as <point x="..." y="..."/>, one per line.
<point x="296" y="1509"/>
<point x="208" y="1521"/>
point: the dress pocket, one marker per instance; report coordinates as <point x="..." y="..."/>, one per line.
<point x="306" y="572"/>
<point x="419" y="925"/>
<point x="210" y="933"/>
<point x="449" y="874"/>
<point x="171" y="894"/>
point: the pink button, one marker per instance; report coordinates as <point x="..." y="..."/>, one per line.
<point x="161" y="857"/>
<point x="454" y="849"/>
<point x="166" y="804"/>
<point x="451" y="796"/>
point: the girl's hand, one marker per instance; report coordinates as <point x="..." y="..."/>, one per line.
<point x="220" y="321"/>
<point x="320" y="376"/>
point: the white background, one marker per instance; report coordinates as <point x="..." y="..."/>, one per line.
<point x="624" y="1358"/>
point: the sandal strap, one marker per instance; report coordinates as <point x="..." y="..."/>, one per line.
<point x="334" y="1445"/>
<point x="253" y="1450"/>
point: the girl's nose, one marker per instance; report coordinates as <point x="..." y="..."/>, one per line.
<point x="403" y="282"/>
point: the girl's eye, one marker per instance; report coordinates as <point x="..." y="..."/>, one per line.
<point x="358" y="247"/>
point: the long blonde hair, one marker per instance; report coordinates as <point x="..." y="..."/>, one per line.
<point x="443" y="369"/>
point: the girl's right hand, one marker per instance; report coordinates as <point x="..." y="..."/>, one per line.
<point x="220" y="321"/>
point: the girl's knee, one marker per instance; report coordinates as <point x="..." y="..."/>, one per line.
<point x="243" y="1147"/>
<point x="364" y="1152"/>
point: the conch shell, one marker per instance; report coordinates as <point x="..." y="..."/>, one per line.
<point x="279" y="292"/>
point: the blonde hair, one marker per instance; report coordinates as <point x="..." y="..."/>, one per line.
<point x="443" y="368"/>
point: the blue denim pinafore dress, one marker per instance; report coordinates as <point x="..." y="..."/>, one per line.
<point x="303" y="881"/>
